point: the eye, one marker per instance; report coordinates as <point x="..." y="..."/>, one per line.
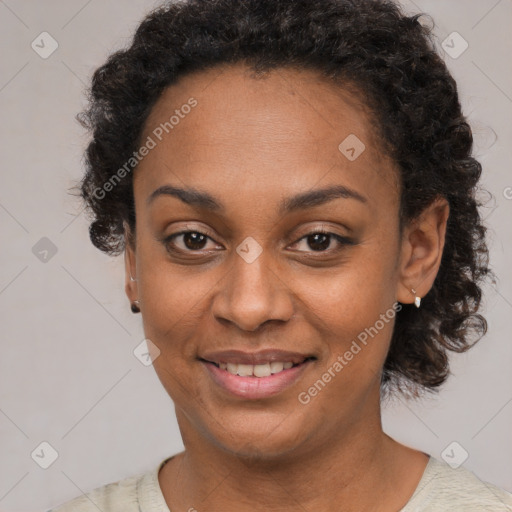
<point x="187" y="241"/>
<point x="321" y="241"/>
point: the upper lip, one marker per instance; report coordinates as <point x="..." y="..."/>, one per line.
<point x="260" y="357"/>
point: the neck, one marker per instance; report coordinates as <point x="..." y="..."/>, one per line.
<point x="345" y="467"/>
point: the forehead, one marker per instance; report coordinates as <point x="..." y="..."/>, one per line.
<point x="288" y="127"/>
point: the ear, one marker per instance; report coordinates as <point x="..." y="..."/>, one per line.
<point x="130" y="265"/>
<point x="421" y="251"/>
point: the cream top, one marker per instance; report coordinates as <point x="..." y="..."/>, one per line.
<point x="441" y="488"/>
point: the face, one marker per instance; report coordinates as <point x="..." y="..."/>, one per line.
<point x="259" y="242"/>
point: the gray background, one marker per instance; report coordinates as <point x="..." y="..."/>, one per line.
<point x="68" y="375"/>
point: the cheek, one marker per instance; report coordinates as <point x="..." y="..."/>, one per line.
<point x="172" y="301"/>
<point x="172" y="309"/>
<point x="355" y="328"/>
<point x="354" y="294"/>
<point x="352" y="310"/>
<point x="168" y="290"/>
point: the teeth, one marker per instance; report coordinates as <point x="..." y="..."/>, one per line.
<point x="276" y="367"/>
<point x="262" y="370"/>
<point x="257" y="370"/>
<point x="245" y="370"/>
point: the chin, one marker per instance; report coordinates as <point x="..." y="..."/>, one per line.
<point x="260" y="436"/>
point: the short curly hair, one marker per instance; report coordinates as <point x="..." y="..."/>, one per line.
<point x="392" y="60"/>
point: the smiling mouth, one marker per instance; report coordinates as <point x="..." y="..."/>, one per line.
<point x="257" y="370"/>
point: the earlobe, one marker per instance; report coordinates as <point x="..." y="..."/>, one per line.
<point x="421" y="252"/>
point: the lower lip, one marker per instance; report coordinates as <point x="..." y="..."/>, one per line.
<point x="254" y="388"/>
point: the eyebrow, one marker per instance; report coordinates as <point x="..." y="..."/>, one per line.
<point x="203" y="200"/>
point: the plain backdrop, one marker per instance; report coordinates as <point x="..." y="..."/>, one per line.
<point x="68" y="373"/>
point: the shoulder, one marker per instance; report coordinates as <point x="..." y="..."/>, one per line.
<point x="132" y="494"/>
<point x="120" y="495"/>
<point x="445" y="488"/>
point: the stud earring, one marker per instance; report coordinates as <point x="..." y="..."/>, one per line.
<point x="131" y="278"/>
<point x="135" y="306"/>
<point x="417" y="300"/>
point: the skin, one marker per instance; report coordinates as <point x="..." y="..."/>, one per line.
<point x="249" y="143"/>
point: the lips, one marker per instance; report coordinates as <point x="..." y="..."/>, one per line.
<point x="255" y="358"/>
<point x="255" y="375"/>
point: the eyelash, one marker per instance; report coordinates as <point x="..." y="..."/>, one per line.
<point x="342" y="241"/>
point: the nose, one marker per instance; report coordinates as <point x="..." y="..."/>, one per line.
<point x="253" y="294"/>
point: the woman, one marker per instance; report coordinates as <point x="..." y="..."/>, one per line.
<point x="292" y="186"/>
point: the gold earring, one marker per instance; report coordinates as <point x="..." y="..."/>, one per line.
<point x="417" y="300"/>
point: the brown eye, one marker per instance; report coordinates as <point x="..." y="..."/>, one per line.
<point x="321" y="241"/>
<point x="186" y="241"/>
<point x="194" y="241"/>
